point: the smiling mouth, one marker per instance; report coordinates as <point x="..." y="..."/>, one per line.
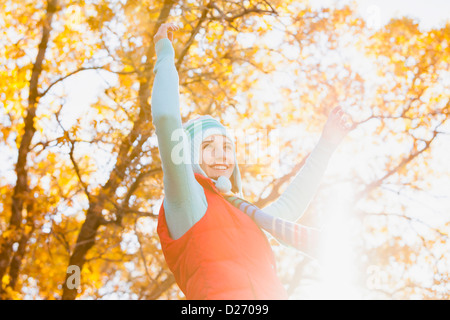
<point x="220" y="167"/>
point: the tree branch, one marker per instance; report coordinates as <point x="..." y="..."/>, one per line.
<point x="20" y="191"/>
<point x="193" y="34"/>
<point x="77" y="169"/>
<point x="402" y="163"/>
<point x="67" y="76"/>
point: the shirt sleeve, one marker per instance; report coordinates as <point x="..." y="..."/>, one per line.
<point x="184" y="202"/>
<point x="294" y="201"/>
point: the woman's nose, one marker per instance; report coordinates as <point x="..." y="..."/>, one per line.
<point x="219" y="154"/>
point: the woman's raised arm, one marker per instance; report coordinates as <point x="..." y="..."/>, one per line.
<point x="296" y="198"/>
<point x="184" y="201"/>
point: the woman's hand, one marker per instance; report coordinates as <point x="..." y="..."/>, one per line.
<point x="165" y="31"/>
<point x="337" y="126"/>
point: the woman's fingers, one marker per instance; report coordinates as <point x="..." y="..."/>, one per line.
<point x="342" y="119"/>
<point x="338" y="113"/>
<point x="165" y="31"/>
<point x="335" y="110"/>
<point x="173" y="27"/>
<point x="170" y="26"/>
<point x="347" y="122"/>
<point x="338" y="125"/>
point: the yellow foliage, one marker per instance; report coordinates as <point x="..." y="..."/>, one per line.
<point x="79" y="163"/>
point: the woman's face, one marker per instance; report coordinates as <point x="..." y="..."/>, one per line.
<point x="217" y="156"/>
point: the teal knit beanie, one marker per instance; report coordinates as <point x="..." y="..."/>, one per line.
<point x="199" y="129"/>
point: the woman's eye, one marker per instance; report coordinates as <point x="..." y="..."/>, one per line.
<point x="227" y="147"/>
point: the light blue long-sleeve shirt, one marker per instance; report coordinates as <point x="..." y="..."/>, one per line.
<point x="185" y="202"/>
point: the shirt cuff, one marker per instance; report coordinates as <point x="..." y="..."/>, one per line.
<point x="325" y="146"/>
<point x="164" y="47"/>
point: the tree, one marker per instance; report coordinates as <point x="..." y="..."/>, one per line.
<point x="411" y="110"/>
<point x="82" y="190"/>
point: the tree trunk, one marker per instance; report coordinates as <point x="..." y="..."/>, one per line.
<point x="94" y="219"/>
<point x="20" y="193"/>
<point x="85" y="241"/>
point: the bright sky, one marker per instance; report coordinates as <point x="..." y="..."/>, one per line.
<point x="83" y="88"/>
<point x="431" y="13"/>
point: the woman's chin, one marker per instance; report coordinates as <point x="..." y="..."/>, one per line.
<point x="216" y="175"/>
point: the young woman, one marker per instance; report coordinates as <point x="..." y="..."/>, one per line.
<point x="214" y="250"/>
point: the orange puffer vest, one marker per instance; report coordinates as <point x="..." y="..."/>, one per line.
<point x="224" y="256"/>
